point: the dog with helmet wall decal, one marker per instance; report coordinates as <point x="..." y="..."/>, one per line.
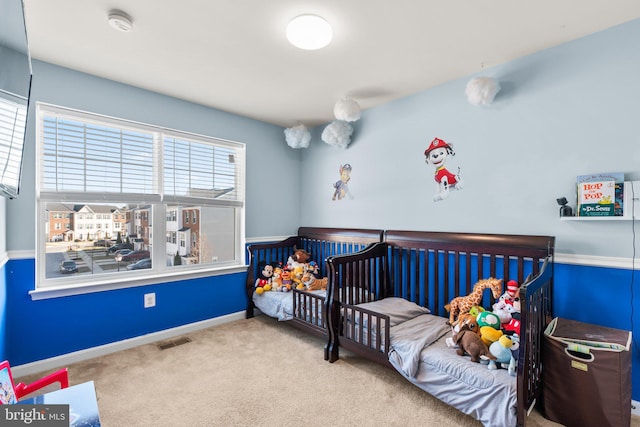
<point x="437" y="154"/>
<point x="342" y="186"/>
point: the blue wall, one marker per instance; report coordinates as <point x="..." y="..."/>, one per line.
<point x="40" y="329"/>
<point x="3" y="315"/>
<point x="562" y="112"/>
<point x="51" y="327"/>
<point x="601" y="296"/>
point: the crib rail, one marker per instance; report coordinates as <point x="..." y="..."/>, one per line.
<point x="309" y="310"/>
<point x="535" y="315"/>
<point x="320" y="242"/>
<point x="365" y="332"/>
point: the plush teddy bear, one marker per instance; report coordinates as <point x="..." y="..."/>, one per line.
<point x="470" y="343"/>
<point x="296" y="275"/>
<point x="263" y="282"/>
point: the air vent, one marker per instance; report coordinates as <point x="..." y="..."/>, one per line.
<point x="173" y="343"/>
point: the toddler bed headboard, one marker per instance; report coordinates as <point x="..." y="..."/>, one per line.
<point x="432" y="268"/>
<point x="452" y="263"/>
<point x="320" y="242"/>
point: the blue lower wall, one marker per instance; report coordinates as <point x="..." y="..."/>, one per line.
<point x="46" y="328"/>
<point x="37" y="330"/>
<point x="3" y="314"/>
<point x="601" y="296"/>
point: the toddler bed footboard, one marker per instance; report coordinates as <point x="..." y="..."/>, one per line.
<point x="432" y="268"/>
<point x="307" y="308"/>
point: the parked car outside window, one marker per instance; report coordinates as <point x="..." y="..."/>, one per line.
<point x="122" y="252"/>
<point x="68" y="266"/>
<point x="135" y="256"/>
<point x="139" y="265"/>
<point x="112" y="250"/>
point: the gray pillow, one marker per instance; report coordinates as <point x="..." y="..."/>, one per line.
<point x="398" y="309"/>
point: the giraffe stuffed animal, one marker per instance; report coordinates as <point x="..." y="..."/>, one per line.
<point x="460" y="305"/>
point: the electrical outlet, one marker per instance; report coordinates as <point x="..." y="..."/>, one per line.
<point x="149" y="300"/>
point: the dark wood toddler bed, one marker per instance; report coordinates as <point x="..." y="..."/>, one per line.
<point x="430" y="269"/>
<point x="304" y="309"/>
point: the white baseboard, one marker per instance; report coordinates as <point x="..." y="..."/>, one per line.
<point x="81" y="355"/>
<point x="635" y="408"/>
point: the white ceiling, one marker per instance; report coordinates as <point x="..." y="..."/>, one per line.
<point x="233" y="54"/>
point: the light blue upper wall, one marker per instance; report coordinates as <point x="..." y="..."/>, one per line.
<point x="271" y="164"/>
<point x="562" y="112"/>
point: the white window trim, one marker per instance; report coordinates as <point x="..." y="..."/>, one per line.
<point x="49" y="288"/>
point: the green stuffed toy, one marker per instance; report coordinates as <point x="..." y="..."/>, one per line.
<point x="488" y="318"/>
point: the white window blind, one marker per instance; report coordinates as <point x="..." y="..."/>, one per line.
<point x="202" y="171"/>
<point x="13" y="118"/>
<point x="80" y="155"/>
<point x="105" y="157"/>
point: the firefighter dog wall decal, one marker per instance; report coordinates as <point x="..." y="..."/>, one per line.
<point x="437" y="154"/>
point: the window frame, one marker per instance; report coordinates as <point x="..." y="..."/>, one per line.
<point x="55" y="287"/>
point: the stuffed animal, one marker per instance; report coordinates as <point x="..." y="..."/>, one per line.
<point x="512" y="293"/>
<point x="464" y="320"/>
<point x="276" y="280"/>
<point x="285" y="282"/>
<point x="312" y="283"/>
<point x="489" y="335"/>
<point x="488" y="318"/>
<point x="463" y="304"/>
<point x="300" y="257"/>
<point x="515" y="352"/>
<point x="469" y="342"/>
<point x="501" y="349"/>
<point x="263" y="282"/>
<point x="468" y="320"/>
<point x="502" y="310"/>
<point x="507" y="308"/>
<point x="313" y="267"/>
<point x="513" y="325"/>
<point x="296" y="275"/>
<point x="513" y="304"/>
<point x="476" y="310"/>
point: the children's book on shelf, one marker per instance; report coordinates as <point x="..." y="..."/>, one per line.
<point x="600" y="194"/>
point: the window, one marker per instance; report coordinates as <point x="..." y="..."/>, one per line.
<point x="118" y="180"/>
<point x="13" y="118"/>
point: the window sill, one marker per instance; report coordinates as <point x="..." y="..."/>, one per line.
<point x="69" y="290"/>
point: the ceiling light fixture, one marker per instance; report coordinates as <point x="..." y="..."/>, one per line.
<point x="309" y="32"/>
<point x="120" y="21"/>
